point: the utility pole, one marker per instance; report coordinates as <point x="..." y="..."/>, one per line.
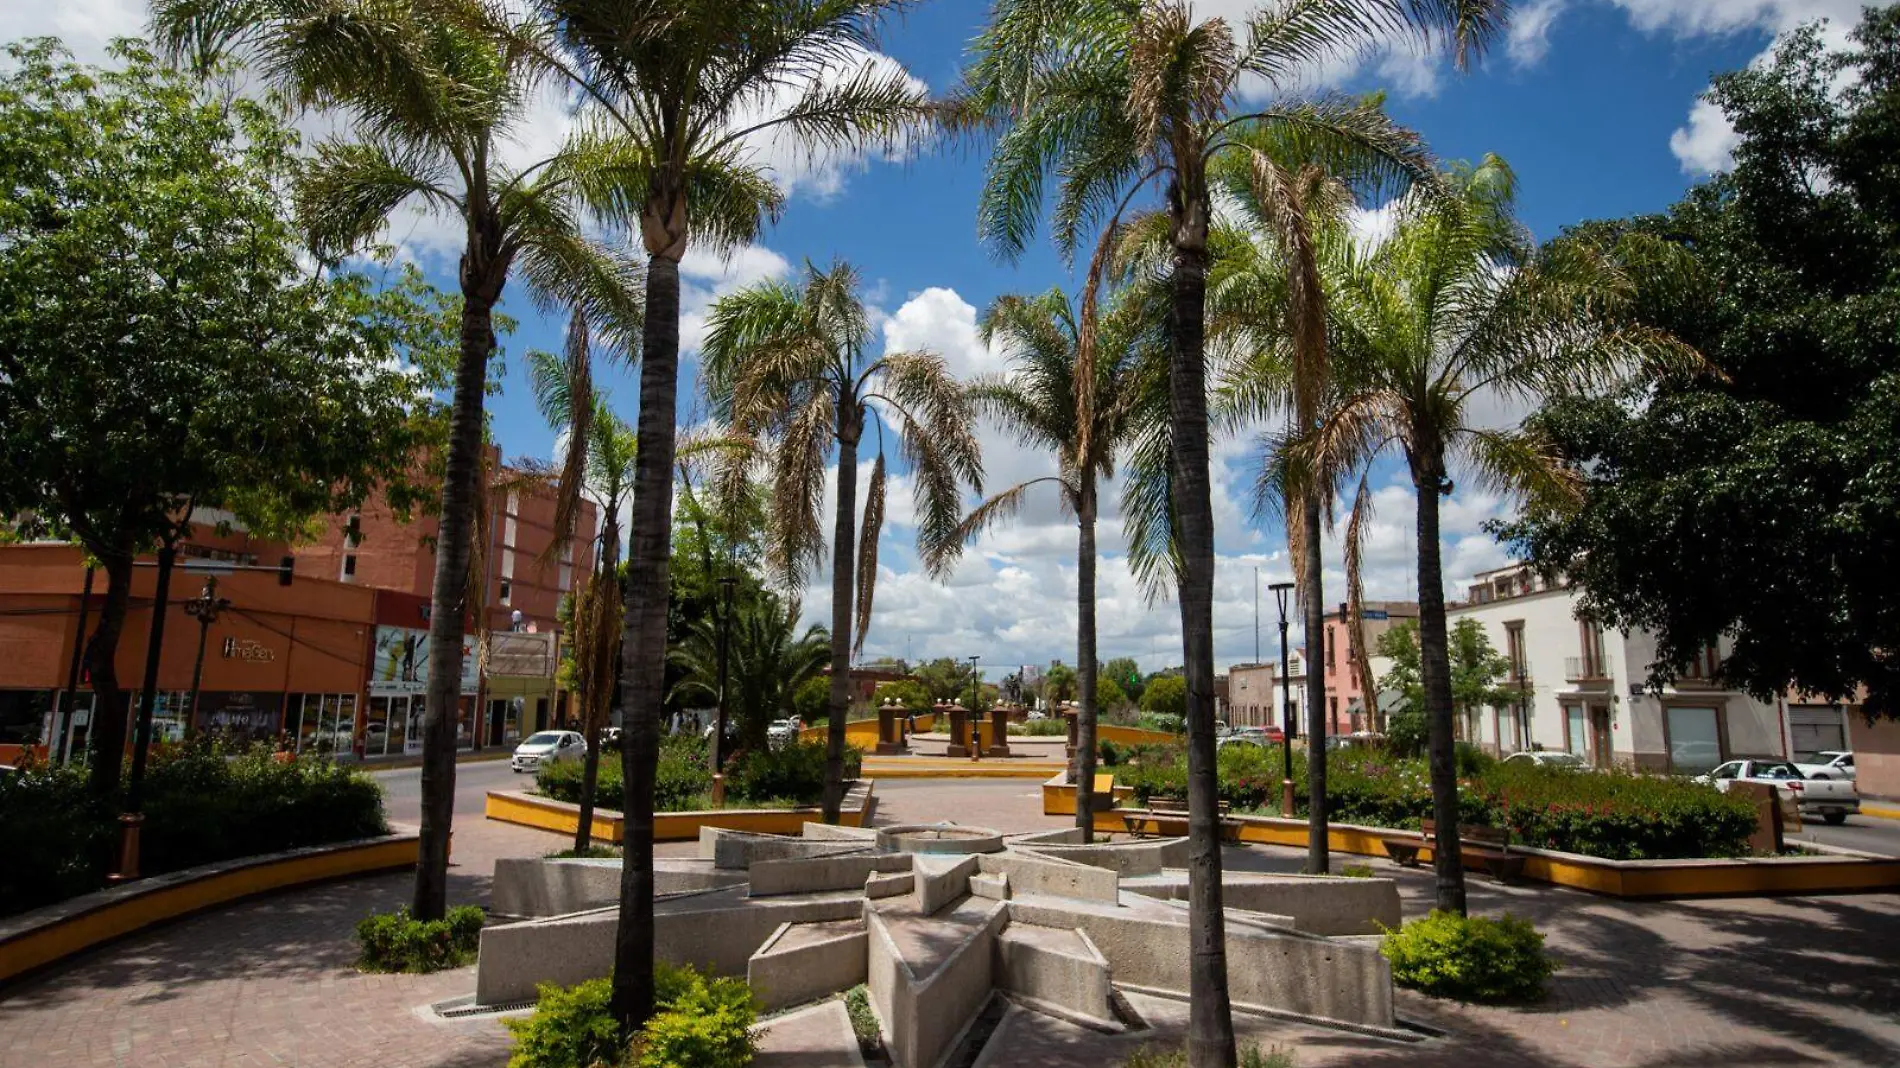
<point x="205" y="608"/>
<point x="1280" y="591"/>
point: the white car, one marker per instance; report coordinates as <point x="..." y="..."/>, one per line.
<point x="1832" y="765"/>
<point x="1547" y="758"/>
<point x="782" y="732"/>
<point x="548" y="747"/>
<point x="1831" y="799"/>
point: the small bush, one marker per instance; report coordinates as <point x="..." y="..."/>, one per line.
<point x="397" y="942"/>
<point x="702" y="1022"/>
<point x="1469" y="958"/>
<point x="857" y="1005"/>
<point x="1041" y="728"/>
<point x="792" y="775"/>
<point x="1176" y="1057"/>
<point x="794" y="772"/>
<point x="592" y="852"/>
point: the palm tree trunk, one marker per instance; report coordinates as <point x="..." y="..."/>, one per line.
<point x="1085" y="712"/>
<point x="1435" y="675"/>
<point x="643" y="643"/>
<point x="1318" y="860"/>
<point x="1210" y="1016"/>
<point x="844" y="557"/>
<point x="461" y="496"/>
<point x="107" y="734"/>
<point x="590" y="766"/>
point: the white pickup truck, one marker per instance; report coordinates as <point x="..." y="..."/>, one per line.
<point x="1831" y="765"/>
<point x="1831" y="799"/>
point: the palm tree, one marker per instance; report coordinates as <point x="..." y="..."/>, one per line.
<point x="430" y="102"/>
<point x="767" y="661"/>
<point x="1115" y="97"/>
<point x="790" y="362"/>
<point x="1039" y="401"/>
<point x="1455" y="306"/>
<point x="678" y="91"/>
<point x="599" y="464"/>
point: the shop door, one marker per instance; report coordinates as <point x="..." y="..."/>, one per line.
<point x="1600" y="745"/>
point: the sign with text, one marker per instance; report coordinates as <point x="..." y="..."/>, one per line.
<point x="402" y="662"/>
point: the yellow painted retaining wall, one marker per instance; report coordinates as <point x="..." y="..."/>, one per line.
<point x="1108" y="732"/>
<point x="182" y="895"/>
<point x="508" y="806"/>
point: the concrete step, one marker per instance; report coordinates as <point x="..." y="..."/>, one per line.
<point x="1058" y="970"/>
<point x="995" y="887"/>
<point x="803" y="961"/>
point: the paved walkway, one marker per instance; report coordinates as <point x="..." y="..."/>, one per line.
<point x="1803" y="981"/>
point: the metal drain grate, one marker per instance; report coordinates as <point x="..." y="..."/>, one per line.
<point x="461" y="1011"/>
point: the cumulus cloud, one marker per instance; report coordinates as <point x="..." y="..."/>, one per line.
<point x="1707" y="142"/>
<point x="1528" y="40"/>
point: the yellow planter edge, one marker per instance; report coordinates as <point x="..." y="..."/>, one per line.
<point x="511" y="807"/>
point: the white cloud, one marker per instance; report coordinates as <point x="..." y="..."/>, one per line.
<point x="1705" y="145"/>
<point x="1528" y="39"/>
<point x="86" y="26"/>
<point x="706" y="276"/>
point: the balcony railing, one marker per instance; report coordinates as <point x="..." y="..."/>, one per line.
<point x="1587" y="668"/>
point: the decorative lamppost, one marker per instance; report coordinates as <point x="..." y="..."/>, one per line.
<point x="1280" y="591"/>
<point x="976" y="714"/>
<point x="205" y="608"/>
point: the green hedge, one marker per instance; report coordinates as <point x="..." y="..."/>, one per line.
<point x="397" y="942"/>
<point x="203" y="803"/>
<point x="1469" y="958"/>
<point x="1616" y="815"/>
<point x="792" y="774"/>
<point x="703" y="1022"/>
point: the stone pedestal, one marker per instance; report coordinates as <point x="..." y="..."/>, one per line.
<point x="890" y="729"/>
<point x="999" y="731"/>
<point x="959" y="729"/>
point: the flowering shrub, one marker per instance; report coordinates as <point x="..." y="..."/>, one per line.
<point x="794" y="773"/>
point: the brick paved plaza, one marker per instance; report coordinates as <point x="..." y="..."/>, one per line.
<point x="270" y="982"/>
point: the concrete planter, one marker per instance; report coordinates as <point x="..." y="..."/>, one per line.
<point x="533" y="810"/>
<point x="43" y="936"/>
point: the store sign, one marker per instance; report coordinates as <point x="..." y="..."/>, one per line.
<point x="248" y="650"/>
<point x="402" y="662"/>
<point x="243" y="714"/>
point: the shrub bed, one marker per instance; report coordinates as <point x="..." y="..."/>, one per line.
<point x="203" y="803"/>
<point x="1040" y="728"/>
<point x="702" y="1022"/>
<point x="1469" y="958"/>
<point x="398" y="942"/>
<point x="1616" y="815"/>
<point x="793" y="774"/>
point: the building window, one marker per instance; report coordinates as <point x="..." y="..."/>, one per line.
<point x="567" y="577"/>
<point x="1329" y="651"/>
<point x="507" y="592"/>
<point x="1695" y="739"/>
<point x="349" y="566"/>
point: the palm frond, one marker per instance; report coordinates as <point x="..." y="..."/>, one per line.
<point x="867" y="553"/>
<point x="348" y="189"/>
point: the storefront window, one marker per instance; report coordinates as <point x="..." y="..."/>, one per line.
<point x="1695" y="740"/>
<point x="1574" y="735"/>
<point x="24" y="715"/>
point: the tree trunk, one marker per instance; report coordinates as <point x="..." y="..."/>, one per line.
<point x="462" y="494"/>
<point x="148" y="689"/>
<point x="643" y="645"/>
<point x="107" y="733"/>
<point x="844" y="561"/>
<point x="1085" y="712"/>
<point x="590" y="766"/>
<point x="1435" y="676"/>
<point x="1318" y="861"/>
<point x="1210" y="1016"/>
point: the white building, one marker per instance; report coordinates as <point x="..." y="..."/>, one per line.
<point x="1587" y="693"/>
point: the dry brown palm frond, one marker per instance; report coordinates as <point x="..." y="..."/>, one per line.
<point x="578" y="364"/>
<point x="1281" y="198"/>
<point x="1356" y="594"/>
<point x="796" y="540"/>
<point x="867" y="553"/>
<point x="597" y="623"/>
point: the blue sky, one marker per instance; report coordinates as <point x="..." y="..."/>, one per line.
<point x="1594" y="104"/>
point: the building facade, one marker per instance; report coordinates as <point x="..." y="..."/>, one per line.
<point x="1586" y="691"/>
<point x="1347" y="708"/>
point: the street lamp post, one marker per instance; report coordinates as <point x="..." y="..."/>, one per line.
<point x="205" y="608"/>
<point x="1280" y="590"/>
<point x="725" y="629"/>
<point x="976" y="720"/>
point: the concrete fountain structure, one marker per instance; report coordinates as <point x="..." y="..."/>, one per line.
<point x="938" y="919"/>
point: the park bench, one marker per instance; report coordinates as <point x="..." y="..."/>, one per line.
<point x="1168" y="818"/>
<point x="1490" y="846"/>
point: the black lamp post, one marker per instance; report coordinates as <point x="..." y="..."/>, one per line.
<point x="1280" y="590"/>
<point x="976" y="718"/>
<point x="725" y="631"/>
<point x="205" y="608"/>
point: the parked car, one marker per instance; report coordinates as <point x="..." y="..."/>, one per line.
<point x="548" y="747"/>
<point x="1547" y="758"/>
<point x="1036" y="714"/>
<point x="1833" y="765"/>
<point x="782" y="732"/>
<point x="1831" y="799"/>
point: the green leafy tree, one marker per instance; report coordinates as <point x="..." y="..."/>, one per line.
<point x="909" y="693"/>
<point x="1110" y="695"/>
<point x="1762" y="505"/>
<point x="1165" y="695"/>
<point x="812" y="700"/>
<point x="678" y="95"/>
<point x="768" y="661"/>
<point x="1451" y="306"/>
<point x="1477" y="673"/>
<point x="1046" y="400"/>
<point x="1117" y="98"/>
<point x="792" y="363"/>
<point x="429" y="100"/>
<point x="161" y="347"/>
<point x="1058" y="684"/>
<point x="943" y="678"/>
<point x="1126" y="674"/>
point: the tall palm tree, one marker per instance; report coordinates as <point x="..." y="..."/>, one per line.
<point x="430" y="102"/>
<point x="1120" y="96"/>
<point x="679" y="91"/>
<point x="767" y="661"/>
<point x="1456" y="305"/>
<point x="599" y="464"/>
<point x="791" y="362"/>
<point x="1041" y="403"/>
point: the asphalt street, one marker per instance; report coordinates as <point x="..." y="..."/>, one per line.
<point x="1870" y="834"/>
<point x="402" y="788"/>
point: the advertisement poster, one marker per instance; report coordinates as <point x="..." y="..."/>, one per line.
<point x="402" y="662"/>
<point x="242" y="716"/>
